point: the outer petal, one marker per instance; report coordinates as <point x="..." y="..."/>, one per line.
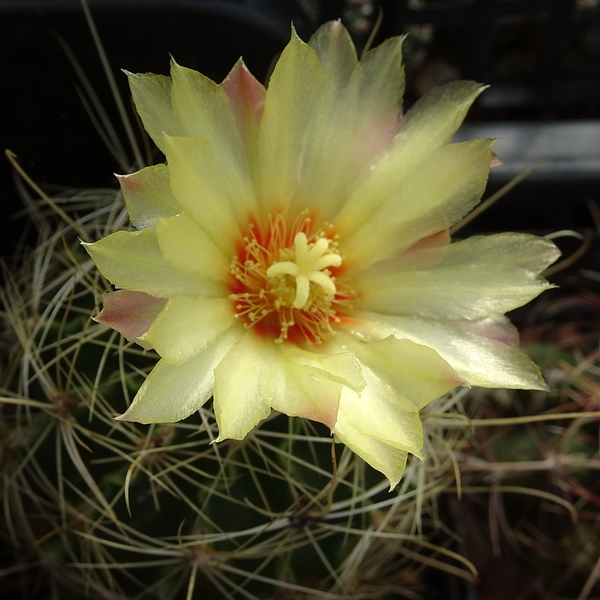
<point x="413" y="370"/>
<point x="382" y="413"/>
<point x="340" y="367"/>
<point x="355" y="121"/>
<point x="436" y="195"/>
<point x="255" y="376"/>
<point x="379" y="81"/>
<point x="483" y="276"/>
<point x="133" y="260"/>
<point x="152" y="98"/>
<point x="204" y="110"/>
<point x="428" y="125"/>
<point x="293" y="99"/>
<point x="381" y="456"/>
<point x="435" y="118"/>
<point x="208" y="191"/>
<point x="247" y="98"/>
<point x="483" y="352"/>
<point x="130" y="313"/>
<point x="458" y="292"/>
<point x="173" y="392"/>
<point x="148" y="196"/>
<point x="243" y="392"/>
<point x="187" y="246"/>
<point x="528" y="252"/>
<point x="337" y="54"/>
<point x="311" y="397"/>
<point x="187" y="325"/>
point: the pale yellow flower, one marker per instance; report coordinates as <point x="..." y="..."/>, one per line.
<point x="293" y="254"/>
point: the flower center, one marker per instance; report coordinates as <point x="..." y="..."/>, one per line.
<point x="286" y="280"/>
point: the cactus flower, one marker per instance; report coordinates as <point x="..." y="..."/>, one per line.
<point x="293" y="253"/>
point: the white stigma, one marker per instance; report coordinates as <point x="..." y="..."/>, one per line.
<point x="308" y="266"/>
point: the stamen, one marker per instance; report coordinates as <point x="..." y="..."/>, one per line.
<point x="282" y="284"/>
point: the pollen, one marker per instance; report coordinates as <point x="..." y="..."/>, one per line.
<point x="286" y="280"/>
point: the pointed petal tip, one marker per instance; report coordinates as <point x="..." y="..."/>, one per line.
<point x="539" y="385"/>
<point x="335" y="25"/>
<point x="223" y="438"/>
<point x="393" y="483"/>
<point x="126" y="182"/>
<point x="246" y="96"/>
<point x="419" y="455"/>
<point x="460" y="381"/>
<point x="496" y="161"/>
<point x="294" y="37"/>
<point x="136" y="76"/>
<point x="239" y="65"/>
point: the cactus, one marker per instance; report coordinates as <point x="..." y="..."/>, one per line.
<point x="98" y="509"/>
<point x="112" y="510"/>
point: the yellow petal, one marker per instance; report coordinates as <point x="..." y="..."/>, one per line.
<point x="355" y="121"/>
<point x="415" y="371"/>
<point x="385" y="458"/>
<point x="483" y="276"/>
<point x="426" y="127"/>
<point x="152" y="97"/>
<point x="336" y="53"/>
<point x="340" y="367"/>
<point x="434" y="119"/>
<point x="187" y="325"/>
<point x="132" y="260"/>
<point x="187" y="246"/>
<point x="243" y="391"/>
<point x="307" y="396"/>
<point x="148" y="196"/>
<point x="173" y="392"/>
<point x="436" y="195"/>
<point x="458" y="292"/>
<point x="380" y="75"/>
<point x="529" y="252"/>
<point x="214" y="197"/>
<point x="381" y="413"/>
<point x="482" y="352"/>
<point x="204" y="110"/>
<point x="255" y="377"/>
<point x="291" y="104"/>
